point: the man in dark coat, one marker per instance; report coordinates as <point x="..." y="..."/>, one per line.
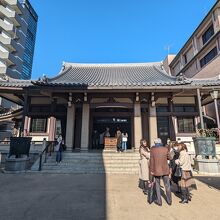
<point x="159" y="168"/>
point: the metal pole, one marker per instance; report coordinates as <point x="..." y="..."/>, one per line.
<point x="200" y="109"/>
<point x="40" y="162"/>
<point x="216" y="112"/>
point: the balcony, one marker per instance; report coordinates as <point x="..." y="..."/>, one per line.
<point x="6" y="12"/>
<point x="10" y="43"/>
<point x="7" y="27"/>
<point x="3" y="68"/>
<point x="8" y="57"/>
<point x="13" y="16"/>
<point x="4" y="40"/>
<point x="15" y="4"/>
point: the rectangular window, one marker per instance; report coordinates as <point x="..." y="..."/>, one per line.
<point x="185" y="59"/>
<point x="208" y="57"/>
<point x="185" y="124"/>
<point x="208" y="34"/>
<point x="39" y="125"/>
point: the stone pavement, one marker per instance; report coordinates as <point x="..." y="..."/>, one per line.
<point x="113" y="197"/>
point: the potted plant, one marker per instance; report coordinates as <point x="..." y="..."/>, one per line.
<point x="204" y="142"/>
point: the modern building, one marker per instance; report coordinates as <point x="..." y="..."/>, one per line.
<point x="199" y="58"/>
<point x="18" y="25"/>
<point x="142" y="99"/>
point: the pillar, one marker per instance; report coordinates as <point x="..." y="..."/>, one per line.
<point x="171" y="121"/>
<point x="137" y="125"/>
<point x="24" y="125"/>
<point x="52" y="128"/>
<point x="217" y="113"/>
<point x="26" y="119"/>
<point x="70" y="125"/>
<point x="85" y="127"/>
<point x="152" y="124"/>
<point x="200" y="109"/>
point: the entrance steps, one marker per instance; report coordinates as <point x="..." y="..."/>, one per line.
<point x="94" y="163"/>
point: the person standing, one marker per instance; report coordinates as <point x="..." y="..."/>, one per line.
<point x="107" y="133"/>
<point x="186" y="182"/>
<point x="174" y="155"/>
<point x="95" y="139"/>
<point x="118" y="135"/>
<point x="144" y="178"/>
<point x="159" y="169"/>
<point x="124" y="141"/>
<point x="59" y="149"/>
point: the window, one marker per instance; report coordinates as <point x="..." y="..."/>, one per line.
<point x="208" y="34"/>
<point x="185" y="124"/>
<point x="184" y="108"/>
<point x="39" y="125"/>
<point x="208" y="57"/>
<point x="185" y="59"/>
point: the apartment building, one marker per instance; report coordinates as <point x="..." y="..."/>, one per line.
<point x="18" y="25"/>
<point x="199" y="57"/>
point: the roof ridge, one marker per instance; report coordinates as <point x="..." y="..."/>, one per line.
<point x="67" y="64"/>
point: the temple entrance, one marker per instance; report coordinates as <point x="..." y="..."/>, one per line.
<point x="113" y="123"/>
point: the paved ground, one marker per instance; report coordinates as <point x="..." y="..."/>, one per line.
<point x="112" y="197"/>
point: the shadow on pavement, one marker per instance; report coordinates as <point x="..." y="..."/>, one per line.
<point x="212" y="182"/>
<point x="53" y="196"/>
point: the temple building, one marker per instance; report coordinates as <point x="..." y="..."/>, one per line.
<point x="140" y="99"/>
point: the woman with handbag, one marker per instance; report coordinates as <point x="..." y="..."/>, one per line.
<point x="144" y="151"/>
<point x="59" y="149"/>
<point x="186" y="180"/>
<point x="174" y="154"/>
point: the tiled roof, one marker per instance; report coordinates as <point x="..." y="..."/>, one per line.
<point x="124" y="76"/>
<point x="117" y="75"/>
<point x="214" y="81"/>
<point x="9" y="82"/>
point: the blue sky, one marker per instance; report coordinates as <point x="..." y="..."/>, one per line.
<point x="109" y="31"/>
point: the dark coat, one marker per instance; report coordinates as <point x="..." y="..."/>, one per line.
<point x="158" y="161"/>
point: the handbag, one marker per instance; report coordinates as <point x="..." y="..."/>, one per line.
<point x="178" y="171"/>
<point x="124" y="139"/>
<point x="141" y="184"/>
<point x="152" y="195"/>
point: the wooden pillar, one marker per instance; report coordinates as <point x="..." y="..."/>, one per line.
<point x="171" y="120"/>
<point x="200" y="109"/>
<point x="25" y="118"/>
<point x="137" y="125"/>
<point x="216" y="112"/>
<point x="152" y="124"/>
<point x="70" y="126"/>
<point x="144" y="124"/>
<point x="52" y="129"/>
<point x="85" y="127"/>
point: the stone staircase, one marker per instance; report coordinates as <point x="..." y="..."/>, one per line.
<point x="94" y="162"/>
